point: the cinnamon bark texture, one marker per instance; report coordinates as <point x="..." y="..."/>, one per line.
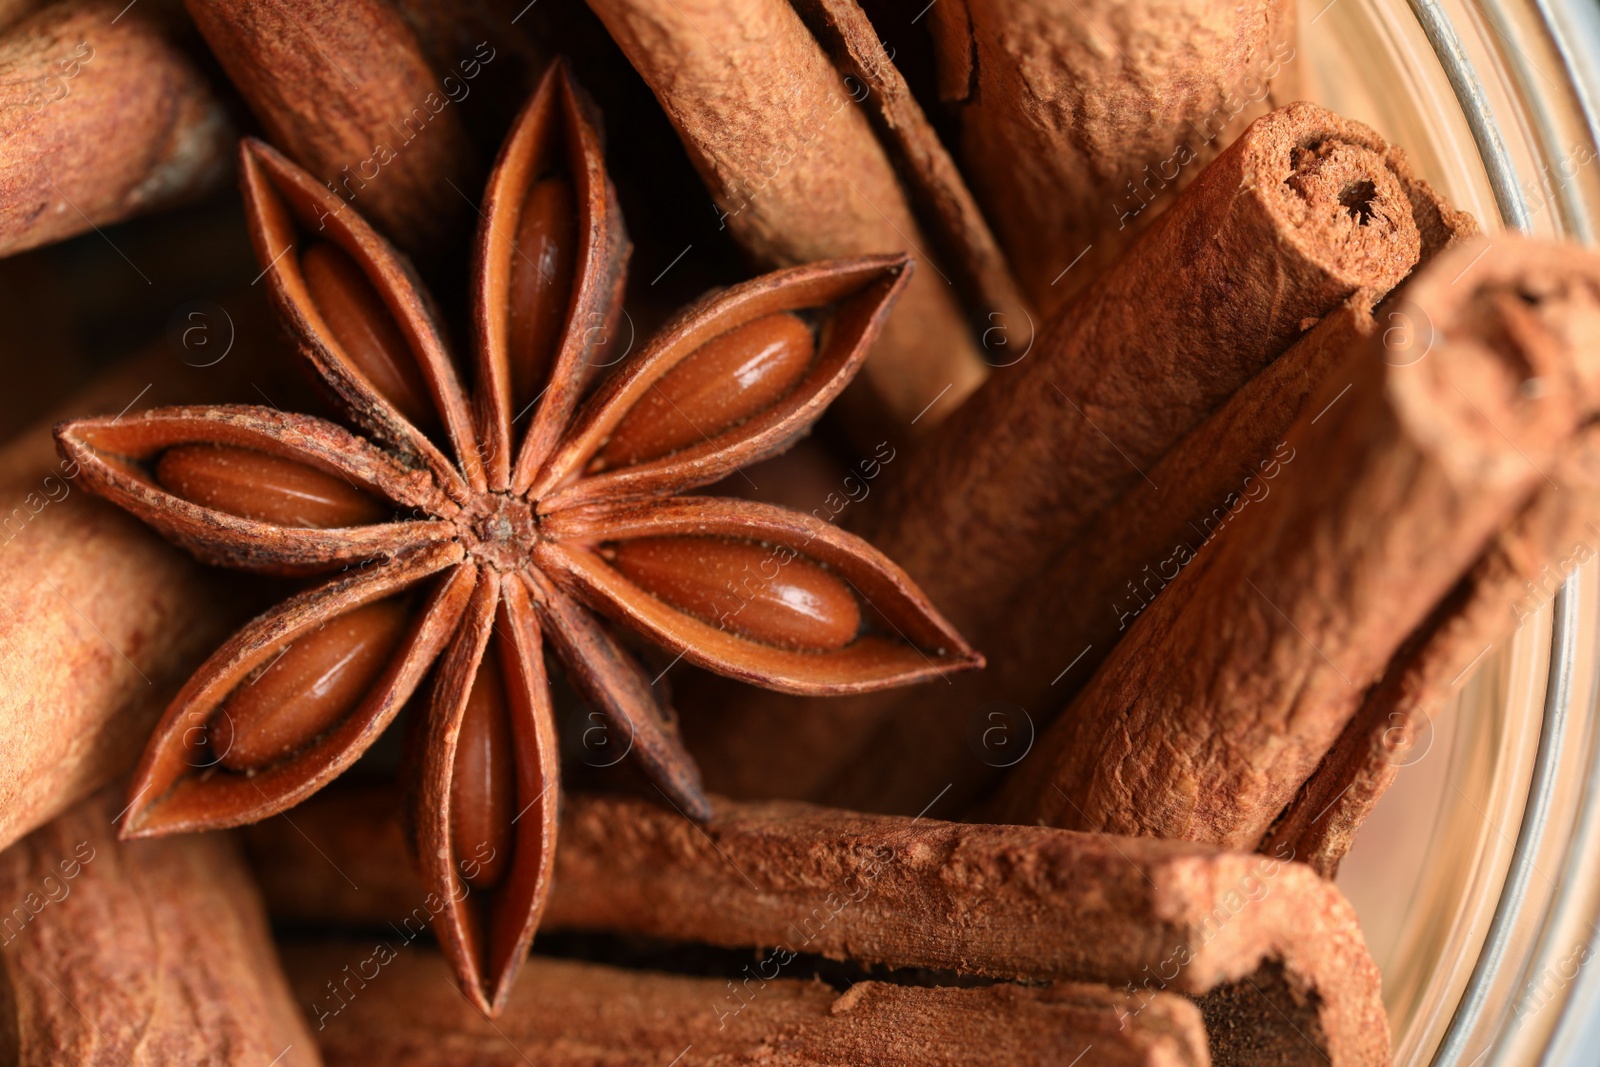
<point x="1519" y="572"/>
<point x="138" y="953"/>
<point x="344" y="90"/>
<point x="101" y="118"/>
<point x="566" y="1013"/>
<point x="796" y="172"/>
<point x="1004" y="318"/>
<point x="1002" y="901"/>
<point x="1234" y="684"/>
<point x="1049" y="645"/>
<point x="1079" y="121"/>
<point x="1296" y="216"/>
<point x="102" y="620"/>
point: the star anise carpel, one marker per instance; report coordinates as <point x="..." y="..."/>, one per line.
<point x="462" y="533"/>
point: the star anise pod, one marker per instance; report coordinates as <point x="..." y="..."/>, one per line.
<point x="467" y="530"/>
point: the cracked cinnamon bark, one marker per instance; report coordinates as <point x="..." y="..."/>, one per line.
<point x="1232" y="686"/>
<point x="147" y="953"/>
<point x="1521" y="570"/>
<point x="572" y="1013"/>
<point x="1009" y="902"/>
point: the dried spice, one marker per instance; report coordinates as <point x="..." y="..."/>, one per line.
<point x="1514" y="577"/>
<point x="361" y="109"/>
<point x="797" y="174"/>
<point x="1243" y="674"/>
<point x="571" y="1013"/>
<point x="141" y="953"/>
<point x="1266" y="241"/>
<point x="1081" y="118"/>
<point x="1148" y="917"/>
<point x="464" y="566"/>
<point x="101" y="118"/>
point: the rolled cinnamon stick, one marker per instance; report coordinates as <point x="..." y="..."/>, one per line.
<point x="1080" y="119"/>
<point x="344" y="90"/>
<point x="101" y="118"/>
<point x="1520" y="571"/>
<point x="1003" y="901"/>
<point x="101" y="620"/>
<point x="966" y="734"/>
<point x="1232" y="686"/>
<point x="796" y="173"/>
<point x="143" y="953"/>
<point x="405" y="1013"/>
<point x="1295" y="217"/>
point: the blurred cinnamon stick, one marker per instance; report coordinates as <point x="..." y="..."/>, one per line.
<point x="796" y="173"/>
<point x="1519" y="572"/>
<point x="1081" y="118"/>
<point x="343" y="88"/>
<point x="100" y="619"/>
<point x="1230" y="688"/>
<point x="101" y="118"/>
<point x="150" y="952"/>
<point x="1002" y="901"/>
<point x="1294" y="218"/>
<point x="406" y="1014"/>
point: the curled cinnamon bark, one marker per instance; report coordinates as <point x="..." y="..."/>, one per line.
<point x="1231" y="687"/>
<point x="796" y="173"/>
<point x="1081" y="118"/>
<point x="137" y="953"/>
<point x="1522" y="569"/>
<point x="101" y="118"/>
<point x="570" y="1013"/>
<point x="344" y="90"/>
<point x="1005" y="319"/>
<point x="1294" y="218"/>
<point x="1010" y="901"/>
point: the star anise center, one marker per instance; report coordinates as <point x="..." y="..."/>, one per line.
<point x="499" y="530"/>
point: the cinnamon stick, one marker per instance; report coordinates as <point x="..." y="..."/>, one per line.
<point x="1003" y="901"/>
<point x="969" y="732"/>
<point x="1256" y="250"/>
<point x="343" y="89"/>
<point x="101" y="119"/>
<point x="149" y="952"/>
<point x="1518" y="573"/>
<point x="1005" y="318"/>
<point x="1232" y="686"/>
<point x="1080" y="120"/>
<point x="406" y="1014"/>
<point x="100" y="619"/>
<point x="796" y="173"/>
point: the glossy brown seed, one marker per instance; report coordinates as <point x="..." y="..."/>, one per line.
<point x="264" y="487"/>
<point x="308" y="688"/>
<point x="366" y="331"/>
<point x="541" y="283"/>
<point x="483" y="783"/>
<point x="727" y="380"/>
<point x="766" y="593"/>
